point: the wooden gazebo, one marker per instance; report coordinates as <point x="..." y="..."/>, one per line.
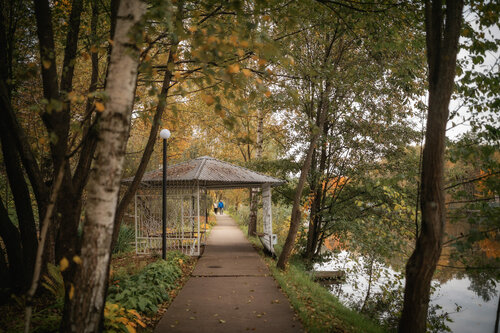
<point x="187" y="203"/>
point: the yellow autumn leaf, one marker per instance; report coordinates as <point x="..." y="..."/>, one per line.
<point x="99" y="107"/>
<point x="233" y="69"/>
<point x="73" y="97"/>
<point x="77" y="260"/>
<point x="131" y="329"/>
<point x="123" y="320"/>
<point x="140" y="323"/>
<point x="233" y="39"/>
<point x="135" y="313"/>
<point x="212" y="39"/>
<point x="71" y="291"/>
<point x="246" y="72"/>
<point x="244" y="44"/>
<point x="46" y="63"/>
<point x="63" y="264"/>
<point x="262" y="62"/>
<point x="208" y="99"/>
<point x="240" y="52"/>
<point x="180" y="261"/>
<point x="267" y="93"/>
<point x="193" y="29"/>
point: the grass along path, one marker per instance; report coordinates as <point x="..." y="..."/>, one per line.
<point x="318" y="309"/>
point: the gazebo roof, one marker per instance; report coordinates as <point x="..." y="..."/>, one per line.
<point x="207" y="172"/>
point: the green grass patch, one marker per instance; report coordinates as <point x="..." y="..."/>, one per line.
<point x="319" y="310"/>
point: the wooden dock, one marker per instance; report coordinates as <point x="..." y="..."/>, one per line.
<point x="328" y="275"/>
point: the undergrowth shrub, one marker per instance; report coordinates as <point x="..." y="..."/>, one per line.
<point x="118" y="319"/>
<point x="139" y="292"/>
<point x="242" y="215"/>
<point x="145" y="290"/>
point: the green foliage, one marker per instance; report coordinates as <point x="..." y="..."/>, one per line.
<point x="478" y="72"/>
<point x="126" y="237"/>
<point x="145" y="290"/>
<point x="473" y="188"/>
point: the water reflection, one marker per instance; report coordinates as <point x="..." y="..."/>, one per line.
<point x="471" y="304"/>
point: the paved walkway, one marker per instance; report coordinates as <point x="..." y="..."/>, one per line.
<point x="230" y="290"/>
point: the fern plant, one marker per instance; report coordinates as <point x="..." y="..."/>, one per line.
<point x="54" y="282"/>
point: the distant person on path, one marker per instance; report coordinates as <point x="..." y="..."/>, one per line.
<point x="221" y="207"/>
<point x="215" y="208"/>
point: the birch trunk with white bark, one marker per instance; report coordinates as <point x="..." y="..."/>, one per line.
<point x="85" y="300"/>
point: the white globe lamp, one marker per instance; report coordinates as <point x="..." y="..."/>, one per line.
<point x="164" y="134"/>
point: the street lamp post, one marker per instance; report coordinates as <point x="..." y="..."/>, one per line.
<point x="164" y="134"/>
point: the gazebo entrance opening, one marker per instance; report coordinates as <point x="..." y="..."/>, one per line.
<point x="188" y="203"/>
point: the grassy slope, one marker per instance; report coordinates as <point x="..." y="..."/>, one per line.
<point x="318" y="309"/>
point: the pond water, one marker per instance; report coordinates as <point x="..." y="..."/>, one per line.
<point x="476" y="313"/>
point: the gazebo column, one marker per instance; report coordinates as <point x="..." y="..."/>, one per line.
<point x="267" y="216"/>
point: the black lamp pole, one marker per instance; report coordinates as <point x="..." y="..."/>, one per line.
<point x="164" y="203"/>
<point x="164" y="134"/>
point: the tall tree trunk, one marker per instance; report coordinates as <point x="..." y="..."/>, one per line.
<point x="295" y="218"/>
<point x="370" y="279"/>
<point x="21" y="194"/>
<point x="84" y="303"/>
<point x="254" y="192"/>
<point x="10" y="236"/>
<point x="148" y="150"/>
<point x="56" y="118"/>
<point x="5" y="280"/>
<point x="68" y="205"/>
<point x="442" y="48"/>
<point x="315" y="216"/>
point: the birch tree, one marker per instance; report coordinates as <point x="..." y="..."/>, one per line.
<point x="83" y="313"/>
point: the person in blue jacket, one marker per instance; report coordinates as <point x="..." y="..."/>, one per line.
<point x="221" y="207"/>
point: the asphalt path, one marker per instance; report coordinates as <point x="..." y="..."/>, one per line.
<point x="230" y="290"/>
